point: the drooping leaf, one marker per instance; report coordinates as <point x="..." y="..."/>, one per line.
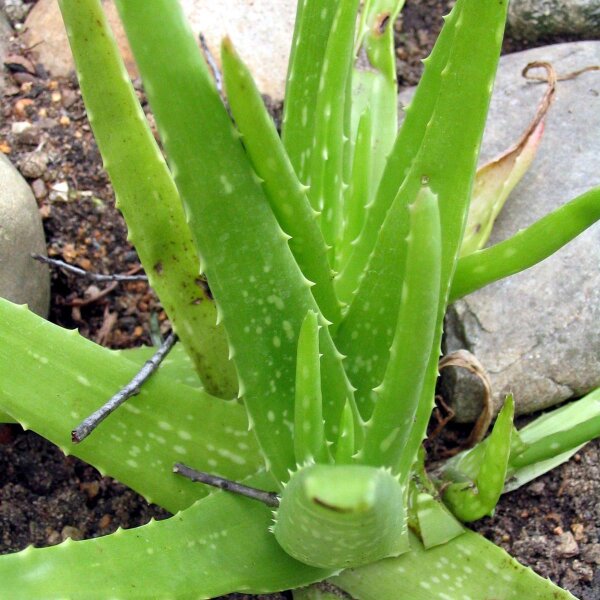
<point x="146" y="194"/>
<point x="53" y="378"/>
<point x="527" y="247"/>
<point x="219" y="545"/>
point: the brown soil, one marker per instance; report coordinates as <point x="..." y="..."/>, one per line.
<point x="551" y="524"/>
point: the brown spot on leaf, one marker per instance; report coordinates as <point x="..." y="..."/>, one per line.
<point x="203" y="285"/>
<point x="158" y="268"/>
<point x="381" y="23"/>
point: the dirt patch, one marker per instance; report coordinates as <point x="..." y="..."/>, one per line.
<point x="550" y="524"/>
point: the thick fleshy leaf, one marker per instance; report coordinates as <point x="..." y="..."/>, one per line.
<point x="374" y="83"/>
<point x="528" y="247"/>
<point x="311" y="33"/>
<point x="309" y="432"/>
<point x="53" y="378"/>
<point x="261" y="294"/>
<point x="286" y="195"/>
<point x="219" y="545"/>
<point x="332" y="117"/>
<point x="146" y="194"/>
<point x="437" y="525"/>
<point x="473" y="499"/>
<point x="176" y="367"/>
<point x="435" y="147"/>
<point x="469" y="567"/>
<point x="543" y="444"/>
<point x="399" y="394"/>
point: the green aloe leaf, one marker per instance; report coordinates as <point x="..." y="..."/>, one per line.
<point x="473" y="499"/>
<point x="67" y="377"/>
<point x="176" y="367"/>
<point x="436" y="523"/>
<point x="311" y="33"/>
<point x="462" y="568"/>
<point x="559" y="431"/>
<point x="6" y="418"/>
<point x="331" y="141"/>
<point x="261" y="294"/>
<point x="146" y="193"/>
<point x="284" y="191"/>
<point x="219" y="545"/>
<point x="399" y="394"/>
<point x="528" y="247"/>
<point x="437" y="148"/>
<point x="540" y="446"/>
<point x="309" y="432"/>
<point x="374" y="82"/>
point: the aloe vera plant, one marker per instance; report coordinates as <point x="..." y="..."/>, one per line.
<point x="307" y="368"/>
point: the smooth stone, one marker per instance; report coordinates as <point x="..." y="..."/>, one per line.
<point x="45" y="33"/>
<point x="22" y="279"/>
<point x="261" y="31"/>
<point x="537" y="333"/>
<point x="537" y="19"/>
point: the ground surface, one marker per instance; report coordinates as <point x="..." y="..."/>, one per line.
<point x="552" y="524"/>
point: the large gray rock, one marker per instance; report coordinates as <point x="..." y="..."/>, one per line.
<point x="537" y="19"/>
<point x="22" y="279"/>
<point x="538" y="333"/>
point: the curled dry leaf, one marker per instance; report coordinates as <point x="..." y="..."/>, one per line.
<point x="466" y="360"/>
<point x="496" y="179"/>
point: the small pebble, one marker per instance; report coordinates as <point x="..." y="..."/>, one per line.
<point x="91" y="488"/>
<point x="567" y="545"/>
<point x="69" y="97"/>
<point x="537" y="488"/>
<point x="39" y="189"/>
<point x="20" y="107"/>
<point x="578" y="531"/>
<point x="60" y="191"/>
<point x="33" y="165"/>
<point x="53" y="538"/>
<point x="105" y="522"/>
<point x="68" y="531"/>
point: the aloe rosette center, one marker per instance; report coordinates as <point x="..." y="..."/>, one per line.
<point x="338" y="516"/>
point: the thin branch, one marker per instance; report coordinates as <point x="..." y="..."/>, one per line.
<point x="268" y="498"/>
<point x="54" y="262"/>
<point x="212" y="64"/>
<point x="131" y="389"/>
